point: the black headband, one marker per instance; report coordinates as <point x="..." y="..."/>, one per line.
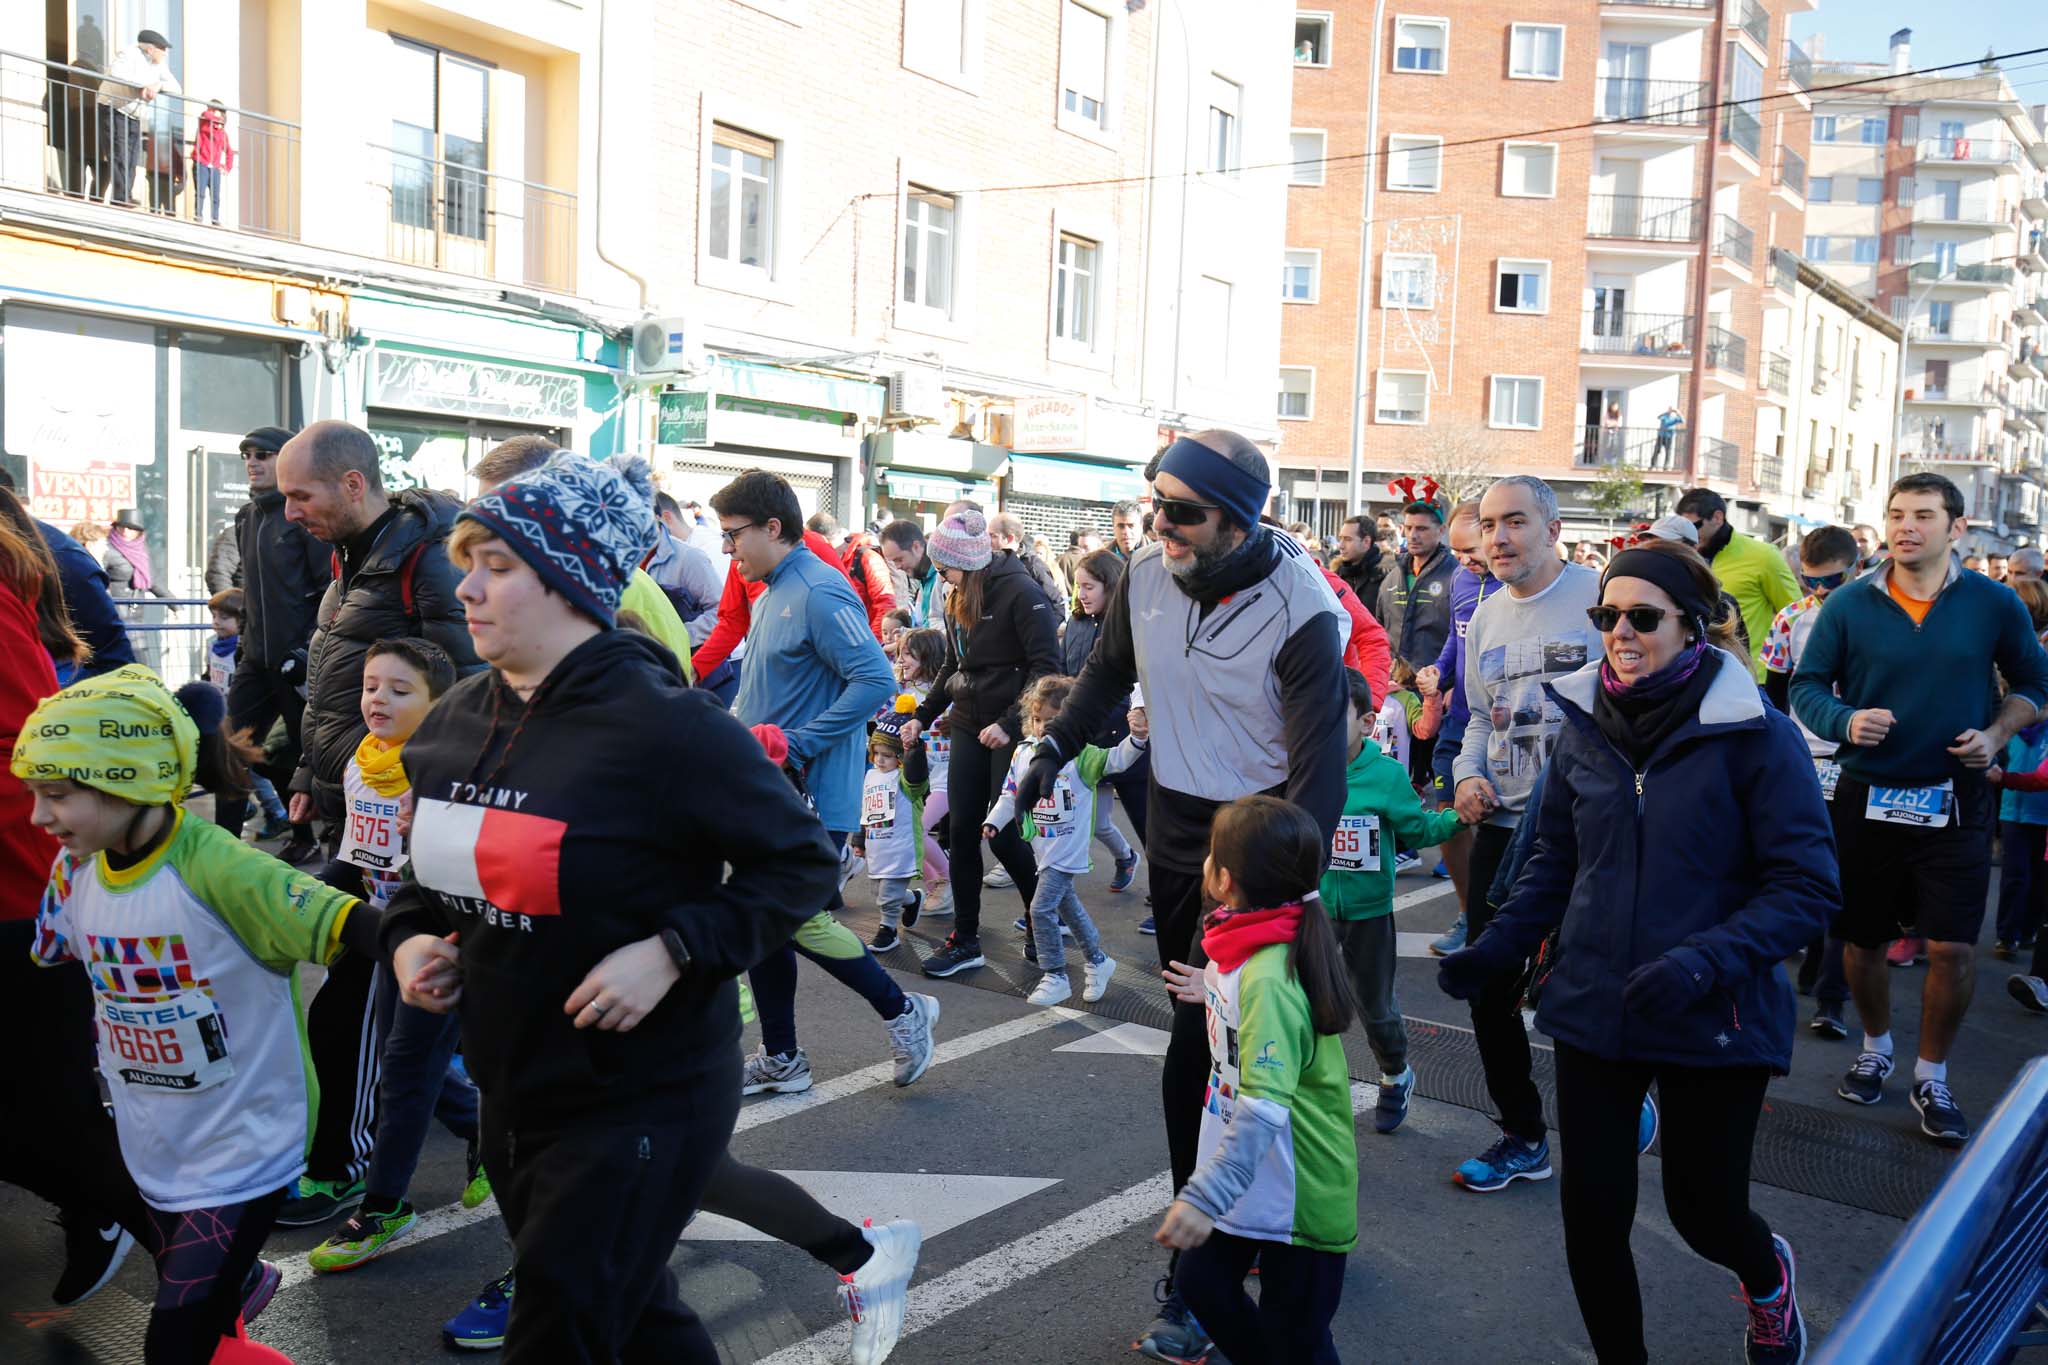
<point x="1667" y="573"/>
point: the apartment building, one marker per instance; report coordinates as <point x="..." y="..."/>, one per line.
<point x="1927" y="198"/>
<point x="1832" y="459"/>
<point x="1534" y="287"/>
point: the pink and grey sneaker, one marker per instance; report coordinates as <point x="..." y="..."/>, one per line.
<point x="259" y="1289"/>
<point x="1777" y="1333"/>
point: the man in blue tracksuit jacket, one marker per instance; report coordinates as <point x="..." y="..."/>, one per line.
<point x="1899" y="671"/>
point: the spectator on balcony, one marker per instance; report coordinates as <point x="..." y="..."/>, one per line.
<point x="1752" y="572"/>
<point x="138" y="68"/>
<point x="1668" y="427"/>
<point x="213" y="156"/>
<point x="1612" y="439"/>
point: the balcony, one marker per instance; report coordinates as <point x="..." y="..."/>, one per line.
<point x="1640" y="336"/>
<point x="1778" y="373"/>
<point x="448" y="216"/>
<point x="1798" y="67"/>
<point x="1633" y="448"/>
<point x="1968" y="151"/>
<point x="1854" y="491"/>
<point x="1784" y="271"/>
<point x="1664" y="4"/>
<point x="2020" y="418"/>
<point x="1939" y="212"/>
<point x="1817" y="478"/>
<point x="1790" y="173"/>
<point x="1740" y="128"/>
<point x="1991" y="276"/>
<point x="1719" y="459"/>
<point x="1643" y="218"/>
<point x="1733" y="241"/>
<point x="1956" y="397"/>
<point x="1726" y="351"/>
<point x="1768" y="470"/>
<point x="1752" y="19"/>
<point x="1628" y="99"/>
<point x="1928" y="334"/>
<point x="58" y="137"/>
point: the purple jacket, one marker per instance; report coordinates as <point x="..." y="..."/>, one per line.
<point x="1467" y="591"/>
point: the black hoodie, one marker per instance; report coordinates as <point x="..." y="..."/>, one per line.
<point x="622" y="800"/>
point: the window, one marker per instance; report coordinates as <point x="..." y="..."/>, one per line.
<point x="1407" y="281"/>
<point x="1816" y="248"/>
<point x="1869" y="189"/>
<point x="440" y="139"/>
<point x="1208" y="349"/>
<point x="1075" y="271"/>
<point x="940" y="38"/>
<point x="1225" y="98"/>
<point x="1944" y="258"/>
<point x="1084" y="64"/>
<point x="1528" y="170"/>
<point x="1301" y="277"/>
<point x="1824" y="128"/>
<point x="1937" y="379"/>
<point x="1312" y="39"/>
<point x="1904" y="249"/>
<point x="740" y="223"/>
<point x="1419" y="44"/>
<point x="1522" y="287"/>
<point x="1536" y="52"/>
<point x="1863" y="250"/>
<point x="1517" y="402"/>
<point x="1941" y="317"/>
<point x="1415" y="162"/>
<point x="1907" y="189"/>
<point x="928" y="248"/>
<point x="1402" y="397"/>
<point x="1820" y="189"/>
<point x="1308" y="148"/>
<point x="1872" y="132"/>
<point x="1297" y="393"/>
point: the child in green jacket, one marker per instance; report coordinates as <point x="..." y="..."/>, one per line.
<point x="1381" y="814"/>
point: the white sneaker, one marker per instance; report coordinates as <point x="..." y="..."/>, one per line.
<point x="938" y="899"/>
<point x="1053" y="988"/>
<point x="876" y="1294"/>
<point x="999" y="878"/>
<point x="1096" y="979"/>
<point x="910" y="1037"/>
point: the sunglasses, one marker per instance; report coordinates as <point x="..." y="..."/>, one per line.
<point x="1815" y="583"/>
<point x="1642" y="620"/>
<point x="1183" y="512"/>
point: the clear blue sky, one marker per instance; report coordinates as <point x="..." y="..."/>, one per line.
<point x="1858" y="30"/>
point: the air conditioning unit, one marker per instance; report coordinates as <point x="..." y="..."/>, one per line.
<point x="664" y="348"/>
<point x="916" y="396"/>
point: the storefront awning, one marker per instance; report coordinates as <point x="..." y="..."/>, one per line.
<point x="930" y="487"/>
<point x="1045" y="477"/>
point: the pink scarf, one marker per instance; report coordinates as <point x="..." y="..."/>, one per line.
<point x="136" y="552"/>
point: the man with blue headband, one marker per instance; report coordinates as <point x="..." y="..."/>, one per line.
<point x="1237" y="641"/>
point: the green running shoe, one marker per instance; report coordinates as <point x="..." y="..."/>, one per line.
<point x="362" y="1239"/>
<point x="316" y="1201"/>
<point x="477" y="1190"/>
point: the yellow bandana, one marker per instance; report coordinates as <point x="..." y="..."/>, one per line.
<point x="382" y="766"/>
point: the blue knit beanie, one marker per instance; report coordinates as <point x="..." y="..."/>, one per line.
<point x="578" y="524"/>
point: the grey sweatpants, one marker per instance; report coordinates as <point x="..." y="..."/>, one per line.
<point x="891" y="895"/>
<point x="1369" y="952"/>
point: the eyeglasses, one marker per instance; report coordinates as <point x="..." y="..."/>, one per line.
<point x="729" y="539"/>
<point x="1642" y="620"/>
<point x="1816" y="582"/>
<point x="1183" y="512"/>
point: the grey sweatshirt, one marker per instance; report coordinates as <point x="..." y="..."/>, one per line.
<point x="1513" y="646"/>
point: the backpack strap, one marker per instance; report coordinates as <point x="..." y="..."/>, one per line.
<point x="408" y="569"/>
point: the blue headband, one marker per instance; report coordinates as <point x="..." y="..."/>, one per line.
<point x="1241" y="495"/>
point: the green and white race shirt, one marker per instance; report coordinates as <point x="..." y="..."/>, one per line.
<point x="192" y="955"/>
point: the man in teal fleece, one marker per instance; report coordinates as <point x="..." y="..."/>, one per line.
<point x="1902" y="670"/>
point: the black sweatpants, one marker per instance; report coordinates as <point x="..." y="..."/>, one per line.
<point x="1497" y="1025"/>
<point x="594" y="1212"/>
<point x="1299" y="1290"/>
<point x="770" y="1202"/>
<point x="257" y="699"/>
<point x="1177" y="912"/>
<point x="1707" y="1125"/>
<point x="348" y="1053"/>
<point x="974" y="779"/>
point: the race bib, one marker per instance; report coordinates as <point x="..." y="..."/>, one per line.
<point x="178" y="1044"/>
<point x="1356" y="845"/>
<point x="1920" y="807"/>
<point x="1830" y="774"/>
<point x="1055" y="814"/>
<point x="877" y="808"/>
<point x="369" y="836"/>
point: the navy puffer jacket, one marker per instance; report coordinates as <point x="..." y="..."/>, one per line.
<point x="1718" y="852"/>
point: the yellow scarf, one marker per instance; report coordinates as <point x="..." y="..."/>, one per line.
<point x="382" y="766"/>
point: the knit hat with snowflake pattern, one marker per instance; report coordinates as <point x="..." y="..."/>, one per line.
<point x="579" y="524"/>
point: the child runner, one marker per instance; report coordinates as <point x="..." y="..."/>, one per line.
<point x="191" y="940"/>
<point x="1279" y="1181"/>
<point x="230" y="609"/>
<point x="892" y="822"/>
<point x="402" y="678"/>
<point x="896" y="623"/>
<point x="1095" y="578"/>
<point x="1403" y="718"/>
<point x="1059" y="828"/>
<point x="1358" y="889"/>
<point x="920" y="654"/>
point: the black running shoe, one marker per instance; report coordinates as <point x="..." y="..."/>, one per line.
<point x="957" y="955"/>
<point x="91" y="1256"/>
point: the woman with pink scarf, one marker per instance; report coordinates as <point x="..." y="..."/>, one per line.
<point x="130" y="574"/>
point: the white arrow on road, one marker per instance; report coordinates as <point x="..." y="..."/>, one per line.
<point x="1139" y="1040"/>
<point x="937" y="1202"/>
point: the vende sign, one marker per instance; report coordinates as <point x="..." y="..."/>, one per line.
<point x="1049" y="426"/>
<point x="69" y="496"/>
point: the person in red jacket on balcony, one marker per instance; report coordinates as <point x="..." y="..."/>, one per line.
<point x="735" y="614"/>
<point x="863" y="565"/>
<point x="212" y="158"/>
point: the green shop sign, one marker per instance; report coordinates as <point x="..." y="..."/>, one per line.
<point x="685" y="418"/>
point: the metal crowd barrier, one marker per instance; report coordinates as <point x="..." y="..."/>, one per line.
<point x="1963" y="1285"/>
<point x="168" y="634"/>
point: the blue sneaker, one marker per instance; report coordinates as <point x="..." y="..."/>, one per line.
<point x="1502" y="1164"/>
<point x="1646" y="1126"/>
<point x="1393" y="1102"/>
<point x="1174" y="1335"/>
<point x="480" y="1326"/>
<point x="1126" y="873"/>
<point x="1146" y="926"/>
<point x="1777" y="1332"/>
<point x="1440" y="872"/>
<point x="1452" y="938"/>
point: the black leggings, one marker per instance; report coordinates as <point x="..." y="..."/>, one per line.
<point x="1708" y="1124"/>
<point x="1298" y="1294"/>
<point x="1497" y="1027"/>
<point x="1177" y="912"/>
<point x="203" y="1258"/>
<point x="770" y="1202"/>
<point x="974" y="779"/>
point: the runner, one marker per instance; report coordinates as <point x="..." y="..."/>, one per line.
<point x="1236" y="642"/>
<point x="1471" y="584"/>
<point x="1899" y="672"/>
<point x="1754" y="573"/>
<point x="1095" y="578"/>
<point x="1531" y="634"/>
<point x="589" y="936"/>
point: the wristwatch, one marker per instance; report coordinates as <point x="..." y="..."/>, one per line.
<point x="678" y="950"/>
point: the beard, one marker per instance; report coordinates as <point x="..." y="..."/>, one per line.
<point x="1204" y="559"/>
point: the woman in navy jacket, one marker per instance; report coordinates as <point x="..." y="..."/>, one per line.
<point x="1682" y="851"/>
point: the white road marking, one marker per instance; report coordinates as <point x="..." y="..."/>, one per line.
<point x="938" y="1202"/>
<point x="966" y="1285"/>
<point x="1140" y="1040"/>
<point x="1408" y="899"/>
<point x="1414" y="945"/>
<point x="453" y="1217"/>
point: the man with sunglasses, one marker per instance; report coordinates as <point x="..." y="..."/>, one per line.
<point x="1755" y="574"/>
<point x="1236" y="639"/>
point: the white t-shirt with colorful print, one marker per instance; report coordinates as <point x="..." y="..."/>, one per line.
<point x="1784" y="643"/>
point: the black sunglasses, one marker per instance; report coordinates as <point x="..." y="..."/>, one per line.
<point x="1815" y="582"/>
<point x="1643" y="620"/>
<point x="1184" y="512"/>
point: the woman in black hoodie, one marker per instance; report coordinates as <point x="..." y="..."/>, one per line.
<point x="591" y="937"/>
<point x="1000" y="637"/>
